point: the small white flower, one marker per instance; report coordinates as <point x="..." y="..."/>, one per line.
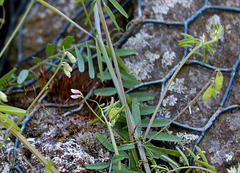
<point x="75" y="91"/>
<point x="67" y="69"/>
<point x="202" y="39"/>
<point x="71" y="57"/>
<point x="3" y="96"/>
<point x="78" y="94"/>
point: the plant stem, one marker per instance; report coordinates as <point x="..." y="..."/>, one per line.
<point x="119" y="86"/>
<point x="17" y="28"/>
<point x="66" y="17"/>
<point x="169" y="83"/>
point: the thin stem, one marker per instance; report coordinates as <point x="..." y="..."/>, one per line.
<point x="17" y="28"/>
<point x="169" y="83"/>
<point x="90" y="23"/>
<point x="203" y="89"/>
<point x="66" y="17"/>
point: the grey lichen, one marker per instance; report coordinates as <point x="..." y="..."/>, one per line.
<point x="168" y="58"/>
<point x="178" y="86"/>
<point x="163" y="6"/>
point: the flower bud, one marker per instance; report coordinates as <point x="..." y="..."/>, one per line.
<point x="78" y="94"/>
<point x="3" y="96"/>
<point x="67" y="69"/>
<point x="71" y="57"/>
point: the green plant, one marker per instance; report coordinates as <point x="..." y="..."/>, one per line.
<point x="234" y="170"/>
<point x="124" y="114"/>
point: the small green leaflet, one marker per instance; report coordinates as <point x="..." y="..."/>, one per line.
<point x="90" y="63"/>
<point x="98" y="165"/>
<point x="170" y="160"/>
<point x="37" y="60"/>
<point x="214" y="88"/>
<point x="48" y="167"/>
<point x="164" y="137"/>
<point x="118" y="6"/>
<point x="50" y="49"/>
<point x="90" y="12"/>
<point x="108" y="91"/>
<point x="104" y="141"/>
<point x="111" y="15"/>
<point x="117" y="158"/>
<point x="136" y="114"/>
<point x="22" y="76"/>
<point x="80" y="61"/>
<point x="218" y="81"/>
<point x="125" y="52"/>
<point x="123" y="147"/>
<point x="141" y="96"/>
<point x="1" y="2"/>
<point x="2" y="20"/>
<point x="206" y="165"/>
<point x="147" y="110"/>
<point x="100" y="66"/>
<point x="164" y="150"/>
<point x="66" y="43"/>
<point x="107" y="76"/>
<point x="156" y="123"/>
<point x="183" y="156"/>
<point x="201" y="154"/>
<point x="12" y="110"/>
